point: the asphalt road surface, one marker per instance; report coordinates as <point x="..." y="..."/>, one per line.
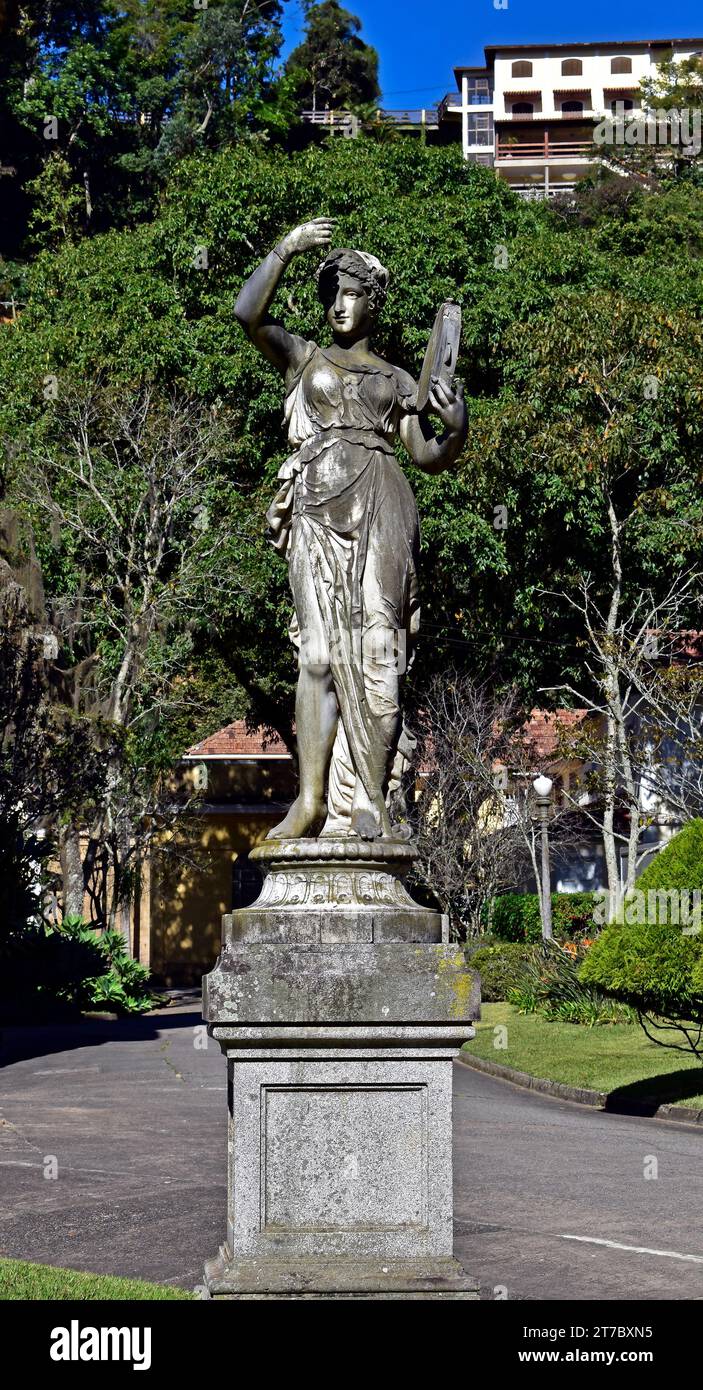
<point x="131" y="1119"/>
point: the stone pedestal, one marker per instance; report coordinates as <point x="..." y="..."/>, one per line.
<point x="339" y="1036"/>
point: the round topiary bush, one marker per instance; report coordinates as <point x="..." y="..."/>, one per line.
<point x="653" y="957"/>
<point x="680" y="864"/>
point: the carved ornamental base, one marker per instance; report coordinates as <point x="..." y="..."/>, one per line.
<point x="334" y="890"/>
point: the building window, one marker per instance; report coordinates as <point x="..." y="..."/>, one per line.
<point x="480" y="129"/>
<point x="621" y="65"/>
<point x="478" y="91"/>
<point x="246" y="882"/>
<point x="575" y="106"/>
<point x="522" y="108"/>
<point x="522" y="69"/>
<point x="622" y="104"/>
<point x="571" y="67"/>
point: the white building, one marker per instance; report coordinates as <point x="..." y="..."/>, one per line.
<point x="530" y="110"/>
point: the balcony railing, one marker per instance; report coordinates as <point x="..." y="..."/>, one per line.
<point x="574" y="116"/>
<point x="426" y="115"/>
<point x="347" y="121"/>
<point x="544" y="149"/>
<point x="339" y="122"/>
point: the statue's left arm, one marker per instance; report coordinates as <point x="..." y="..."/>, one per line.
<point x="430" y="453"/>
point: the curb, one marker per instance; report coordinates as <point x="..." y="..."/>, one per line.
<point x="580" y="1095"/>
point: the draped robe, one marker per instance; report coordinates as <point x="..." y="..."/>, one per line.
<point x="346" y="520"/>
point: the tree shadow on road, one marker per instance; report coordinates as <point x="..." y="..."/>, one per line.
<point x="18" y="1043"/>
<point x="645" y="1097"/>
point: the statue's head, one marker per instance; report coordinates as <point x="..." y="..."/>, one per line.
<point x="352" y="287"/>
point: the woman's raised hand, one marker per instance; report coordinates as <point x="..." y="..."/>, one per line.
<point x="309" y="236"/>
<point x="448" y="402"/>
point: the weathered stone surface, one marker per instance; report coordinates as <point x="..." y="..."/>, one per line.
<point x="335" y="1157"/>
<point x="316" y="1278"/>
<point x="429" y="1040"/>
<point x="408" y="983"/>
<point x="340" y="1163"/>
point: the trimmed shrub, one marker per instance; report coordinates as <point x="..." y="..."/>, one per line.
<point x="650" y="965"/>
<point x="499" y="964"/>
<point x="516" y="916"/>
<point x="656" y="964"/>
<point x="680" y="864"/>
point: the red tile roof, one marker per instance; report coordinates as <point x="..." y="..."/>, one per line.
<point x="542" y="730"/>
<point x="237" y="741"/>
<point x="540" y="734"/>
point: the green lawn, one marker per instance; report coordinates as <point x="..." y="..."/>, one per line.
<point x="21" y="1280"/>
<point x="610" y="1058"/>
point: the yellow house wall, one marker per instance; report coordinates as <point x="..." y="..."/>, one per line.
<point x="187" y="903"/>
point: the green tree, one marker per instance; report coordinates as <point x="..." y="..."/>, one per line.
<point x="333" y="66"/>
<point x="121" y="485"/>
<point x="227" y="83"/>
<point x="50" y="763"/>
<point x="98" y="101"/>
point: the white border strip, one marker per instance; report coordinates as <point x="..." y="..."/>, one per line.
<point x="636" y="1249"/>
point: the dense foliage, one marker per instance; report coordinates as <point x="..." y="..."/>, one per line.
<point x="500" y="965"/>
<point x="549" y="984"/>
<point x="99" y="101"/>
<point x="542" y="334"/>
<point x="679" y="865"/>
<point x="516" y="916"/>
<point x="54" y="971"/>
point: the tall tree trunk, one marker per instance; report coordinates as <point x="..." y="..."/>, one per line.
<point x="633" y="803"/>
<point x="119" y="839"/>
<point x="613" y="704"/>
<point x="72" y="872"/>
<point x="609" y="848"/>
<point x="124" y="900"/>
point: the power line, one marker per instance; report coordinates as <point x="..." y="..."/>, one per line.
<point x="411" y="91"/>
<point x="428" y="630"/>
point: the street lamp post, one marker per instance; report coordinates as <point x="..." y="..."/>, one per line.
<point x="543" y="794"/>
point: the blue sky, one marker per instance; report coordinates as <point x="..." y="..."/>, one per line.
<point x="420" y="41"/>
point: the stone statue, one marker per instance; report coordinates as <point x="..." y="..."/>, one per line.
<point x="338" y="1000"/>
<point x="345" y="519"/>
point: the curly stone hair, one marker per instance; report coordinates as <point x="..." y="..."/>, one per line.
<point x="363" y="267"/>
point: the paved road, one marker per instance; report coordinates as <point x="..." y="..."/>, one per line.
<point x="530" y="1171"/>
<point x="134" y="1115"/>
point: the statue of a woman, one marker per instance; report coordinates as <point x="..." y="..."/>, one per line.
<point x="346" y="520"/>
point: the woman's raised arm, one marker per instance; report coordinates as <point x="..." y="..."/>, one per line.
<point x="255" y="297"/>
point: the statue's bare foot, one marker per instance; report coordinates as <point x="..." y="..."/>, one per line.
<point x="305" y="817"/>
<point x="368" y="819"/>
